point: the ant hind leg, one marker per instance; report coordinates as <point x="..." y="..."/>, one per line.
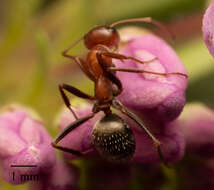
<point x="120" y="107"/>
<point x="66" y="131"/>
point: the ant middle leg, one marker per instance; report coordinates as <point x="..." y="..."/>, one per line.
<point x="133" y="70"/>
<point x="74" y="91"/>
<point x="66" y="131"/>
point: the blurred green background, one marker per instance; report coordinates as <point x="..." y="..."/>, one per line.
<point x="33" y="34"/>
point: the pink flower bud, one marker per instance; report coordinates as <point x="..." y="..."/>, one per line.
<point x="162" y="96"/>
<point x="208" y="28"/>
<point x="197" y="125"/>
<point x="171" y="139"/>
<point x="23" y="141"/>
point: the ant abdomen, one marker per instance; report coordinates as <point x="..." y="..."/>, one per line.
<point x="113" y="138"/>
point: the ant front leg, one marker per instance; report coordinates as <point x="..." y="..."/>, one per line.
<point x="113" y="78"/>
<point x="74" y="91"/>
<point x="122" y="57"/>
<point x="82" y="64"/>
<point x="133" y="70"/>
<point x="66" y="131"/>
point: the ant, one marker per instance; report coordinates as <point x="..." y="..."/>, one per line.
<point x="112" y="136"/>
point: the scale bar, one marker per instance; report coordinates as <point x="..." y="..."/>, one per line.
<point x="24" y="166"/>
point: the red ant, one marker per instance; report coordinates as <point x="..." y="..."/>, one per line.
<point x="112" y="137"/>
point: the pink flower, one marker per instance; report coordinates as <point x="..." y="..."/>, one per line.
<point x="162" y="97"/>
<point x="197" y="125"/>
<point x="171" y="139"/>
<point x="23" y="141"/>
<point x="208" y="28"/>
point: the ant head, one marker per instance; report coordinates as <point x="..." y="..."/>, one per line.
<point x="104" y="35"/>
<point x="113" y="138"/>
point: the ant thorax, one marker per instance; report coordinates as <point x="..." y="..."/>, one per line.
<point x="113" y="138"/>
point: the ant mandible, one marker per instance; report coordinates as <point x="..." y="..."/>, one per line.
<point x="112" y="137"/>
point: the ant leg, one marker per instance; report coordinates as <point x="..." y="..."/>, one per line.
<point x="133" y="70"/>
<point x="113" y="78"/>
<point x="78" y="60"/>
<point x="66" y="131"/>
<point x="74" y="91"/>
<point x="119" y="106"/>
<point x="122" y="57"/>
<point x="82" y="64"/>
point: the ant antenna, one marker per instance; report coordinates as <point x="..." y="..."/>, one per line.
<point x="72" y="45"/>
<point x="145" y="20"/>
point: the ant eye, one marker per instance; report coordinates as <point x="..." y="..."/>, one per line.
<point x="113" y="30"/>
